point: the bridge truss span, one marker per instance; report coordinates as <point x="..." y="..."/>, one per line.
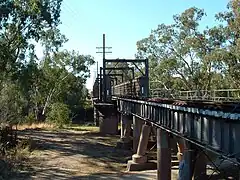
<point x="215" y="130"/>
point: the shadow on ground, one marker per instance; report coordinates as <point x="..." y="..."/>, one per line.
<point x="93" y="145"/>
<point x="81" y="154"/>
<point x="69" y="154"/>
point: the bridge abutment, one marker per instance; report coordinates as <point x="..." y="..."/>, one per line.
<point x="108" y="119"/>
<point x="108" y="124"/>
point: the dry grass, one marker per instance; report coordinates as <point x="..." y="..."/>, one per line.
<point x="36" y="126"/>
<point x="47" y="126"/>
<point x="16" y="160"/>
<point x="92" y="129"/>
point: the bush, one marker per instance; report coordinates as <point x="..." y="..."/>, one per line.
<point x="59" y="114"/>
<point x="30" y="119"/>
<point x="11" y="103"/>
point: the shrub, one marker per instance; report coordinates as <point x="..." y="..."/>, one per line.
<point x="30" y="119"/>
<point x="59" y="114"/>
<point x="11" y="103"/>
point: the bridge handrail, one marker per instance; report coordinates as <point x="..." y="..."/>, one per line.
<point x="201" y="94"/>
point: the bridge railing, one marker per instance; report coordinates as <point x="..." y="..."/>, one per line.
<point x="211" y="95"/>
<point x="164" y="93"/>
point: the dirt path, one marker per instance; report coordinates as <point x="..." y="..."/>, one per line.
<point x="78" y="154"/>
<point x="69" y="154"/>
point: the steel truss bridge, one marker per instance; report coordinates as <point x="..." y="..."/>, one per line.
<point x="209" y="120"/>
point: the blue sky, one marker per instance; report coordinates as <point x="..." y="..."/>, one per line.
<point x="123" y="21"/>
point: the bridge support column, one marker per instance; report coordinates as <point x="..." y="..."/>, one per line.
<point x="122" y="125"/>
<point x="139" y="160"/>
<point x="186" y="160"/>
<point x="163" y="155"/>
<point x="126" y="123"/>
<point x="125" y="140"/>
<point x="192" y="163"/>
<point x="96" y="116"/>
<point x="180" y="146"/>
<point x="137" y="127"/>
<point x="140" y="157"/>
<point x="200" y="167"/>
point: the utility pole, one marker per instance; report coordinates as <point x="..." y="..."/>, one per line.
<point x="103" y="81"/>
<point x="97" y="67"/>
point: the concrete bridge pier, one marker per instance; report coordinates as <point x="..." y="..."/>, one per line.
<point x="108" y="124"/>
<point x="122" y="122"/>
<point x="126" y="123"/>
<point x="107" y="115"/>
<point x="163" y="155"/>
<point x="139" y="160"/>
<point x="137" y="128"/>
<point x="192" y="162"/>
<point x="125" y="140"/>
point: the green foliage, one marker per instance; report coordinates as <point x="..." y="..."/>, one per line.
<point x="30" y="87"/>
<point x="183" y="57"/>
<point x="59" y="114"/>
<point x="22" y="22"/>
<point x="30" y="118"/>
<point x="65" y="75"/>
<point x="11" y="103"/>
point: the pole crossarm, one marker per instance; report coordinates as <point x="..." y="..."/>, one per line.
<point x="105" y="47"/>
<point x="105" y="52"/>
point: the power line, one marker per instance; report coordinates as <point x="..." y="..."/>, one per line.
<point x="74" y="15"/>
<point x="71" y="10"/>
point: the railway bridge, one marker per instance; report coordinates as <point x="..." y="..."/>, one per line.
<point x="198" y="122"/>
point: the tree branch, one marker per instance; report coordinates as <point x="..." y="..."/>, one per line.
<point x="183" y="78"/>
<point x="179" y="55"/>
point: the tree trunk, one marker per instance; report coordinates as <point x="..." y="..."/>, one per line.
<point x="47" y="101"/>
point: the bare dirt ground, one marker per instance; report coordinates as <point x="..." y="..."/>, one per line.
<point x="76" y="154"/>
